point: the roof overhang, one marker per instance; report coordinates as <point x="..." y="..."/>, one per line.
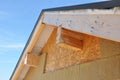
<point x="98" y="19"/>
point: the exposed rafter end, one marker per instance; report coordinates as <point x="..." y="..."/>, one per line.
<point x="69" y="37"/>
<point x="32" y="60"/>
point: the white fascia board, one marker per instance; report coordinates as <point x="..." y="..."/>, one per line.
<point x="36" y="50"/>
<point x="25" y="52"/>
<point x="103" y="23"/>
<point x="23" y="72"/>
<point x="42" y="40"/>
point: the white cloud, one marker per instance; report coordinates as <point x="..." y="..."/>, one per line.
<point x="7" y="61"/>
<point x="13" y="46"/>
<point x="4" y="15"/>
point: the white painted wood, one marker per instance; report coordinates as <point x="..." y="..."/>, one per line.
<point x="32" y="60"/>
<point x="42" y="40"/>
<point x="26" y="51"/>
<point x="58" y="37"/>
<point x="101" y="25"/>
<point x="23" y="72"/>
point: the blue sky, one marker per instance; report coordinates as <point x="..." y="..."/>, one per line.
<point x="17" y="19"/>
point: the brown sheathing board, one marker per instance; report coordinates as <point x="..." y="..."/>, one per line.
<point x="63" y="56"/>
<point x="104" y="68"/>
<point x="109" y="48"/>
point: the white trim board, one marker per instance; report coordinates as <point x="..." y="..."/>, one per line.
<point x="101" y="25"/>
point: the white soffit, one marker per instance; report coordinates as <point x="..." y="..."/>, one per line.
<point x="104" y="23"/>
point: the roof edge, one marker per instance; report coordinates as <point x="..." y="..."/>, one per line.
<point x="94" y="5"/>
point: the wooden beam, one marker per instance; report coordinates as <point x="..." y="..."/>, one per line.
<point x="69" y="37"/>
<point x="42" y="38"/>
<point x="101" y="25"/>
<point x="36" y="36"/>
<point x="32" y="60"/>
<point x="39" y="35"/>
<point x="17" y="73"/>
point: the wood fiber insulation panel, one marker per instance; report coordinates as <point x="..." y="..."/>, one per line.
<point x="98" y="60"/>
<point x="102" y="69"/>
<point x="66" y="55"/>
<point x="107" y="68"/>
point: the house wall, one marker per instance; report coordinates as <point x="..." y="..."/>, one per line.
<point x="62" y="55"/>
<point x="100" y="61"/>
